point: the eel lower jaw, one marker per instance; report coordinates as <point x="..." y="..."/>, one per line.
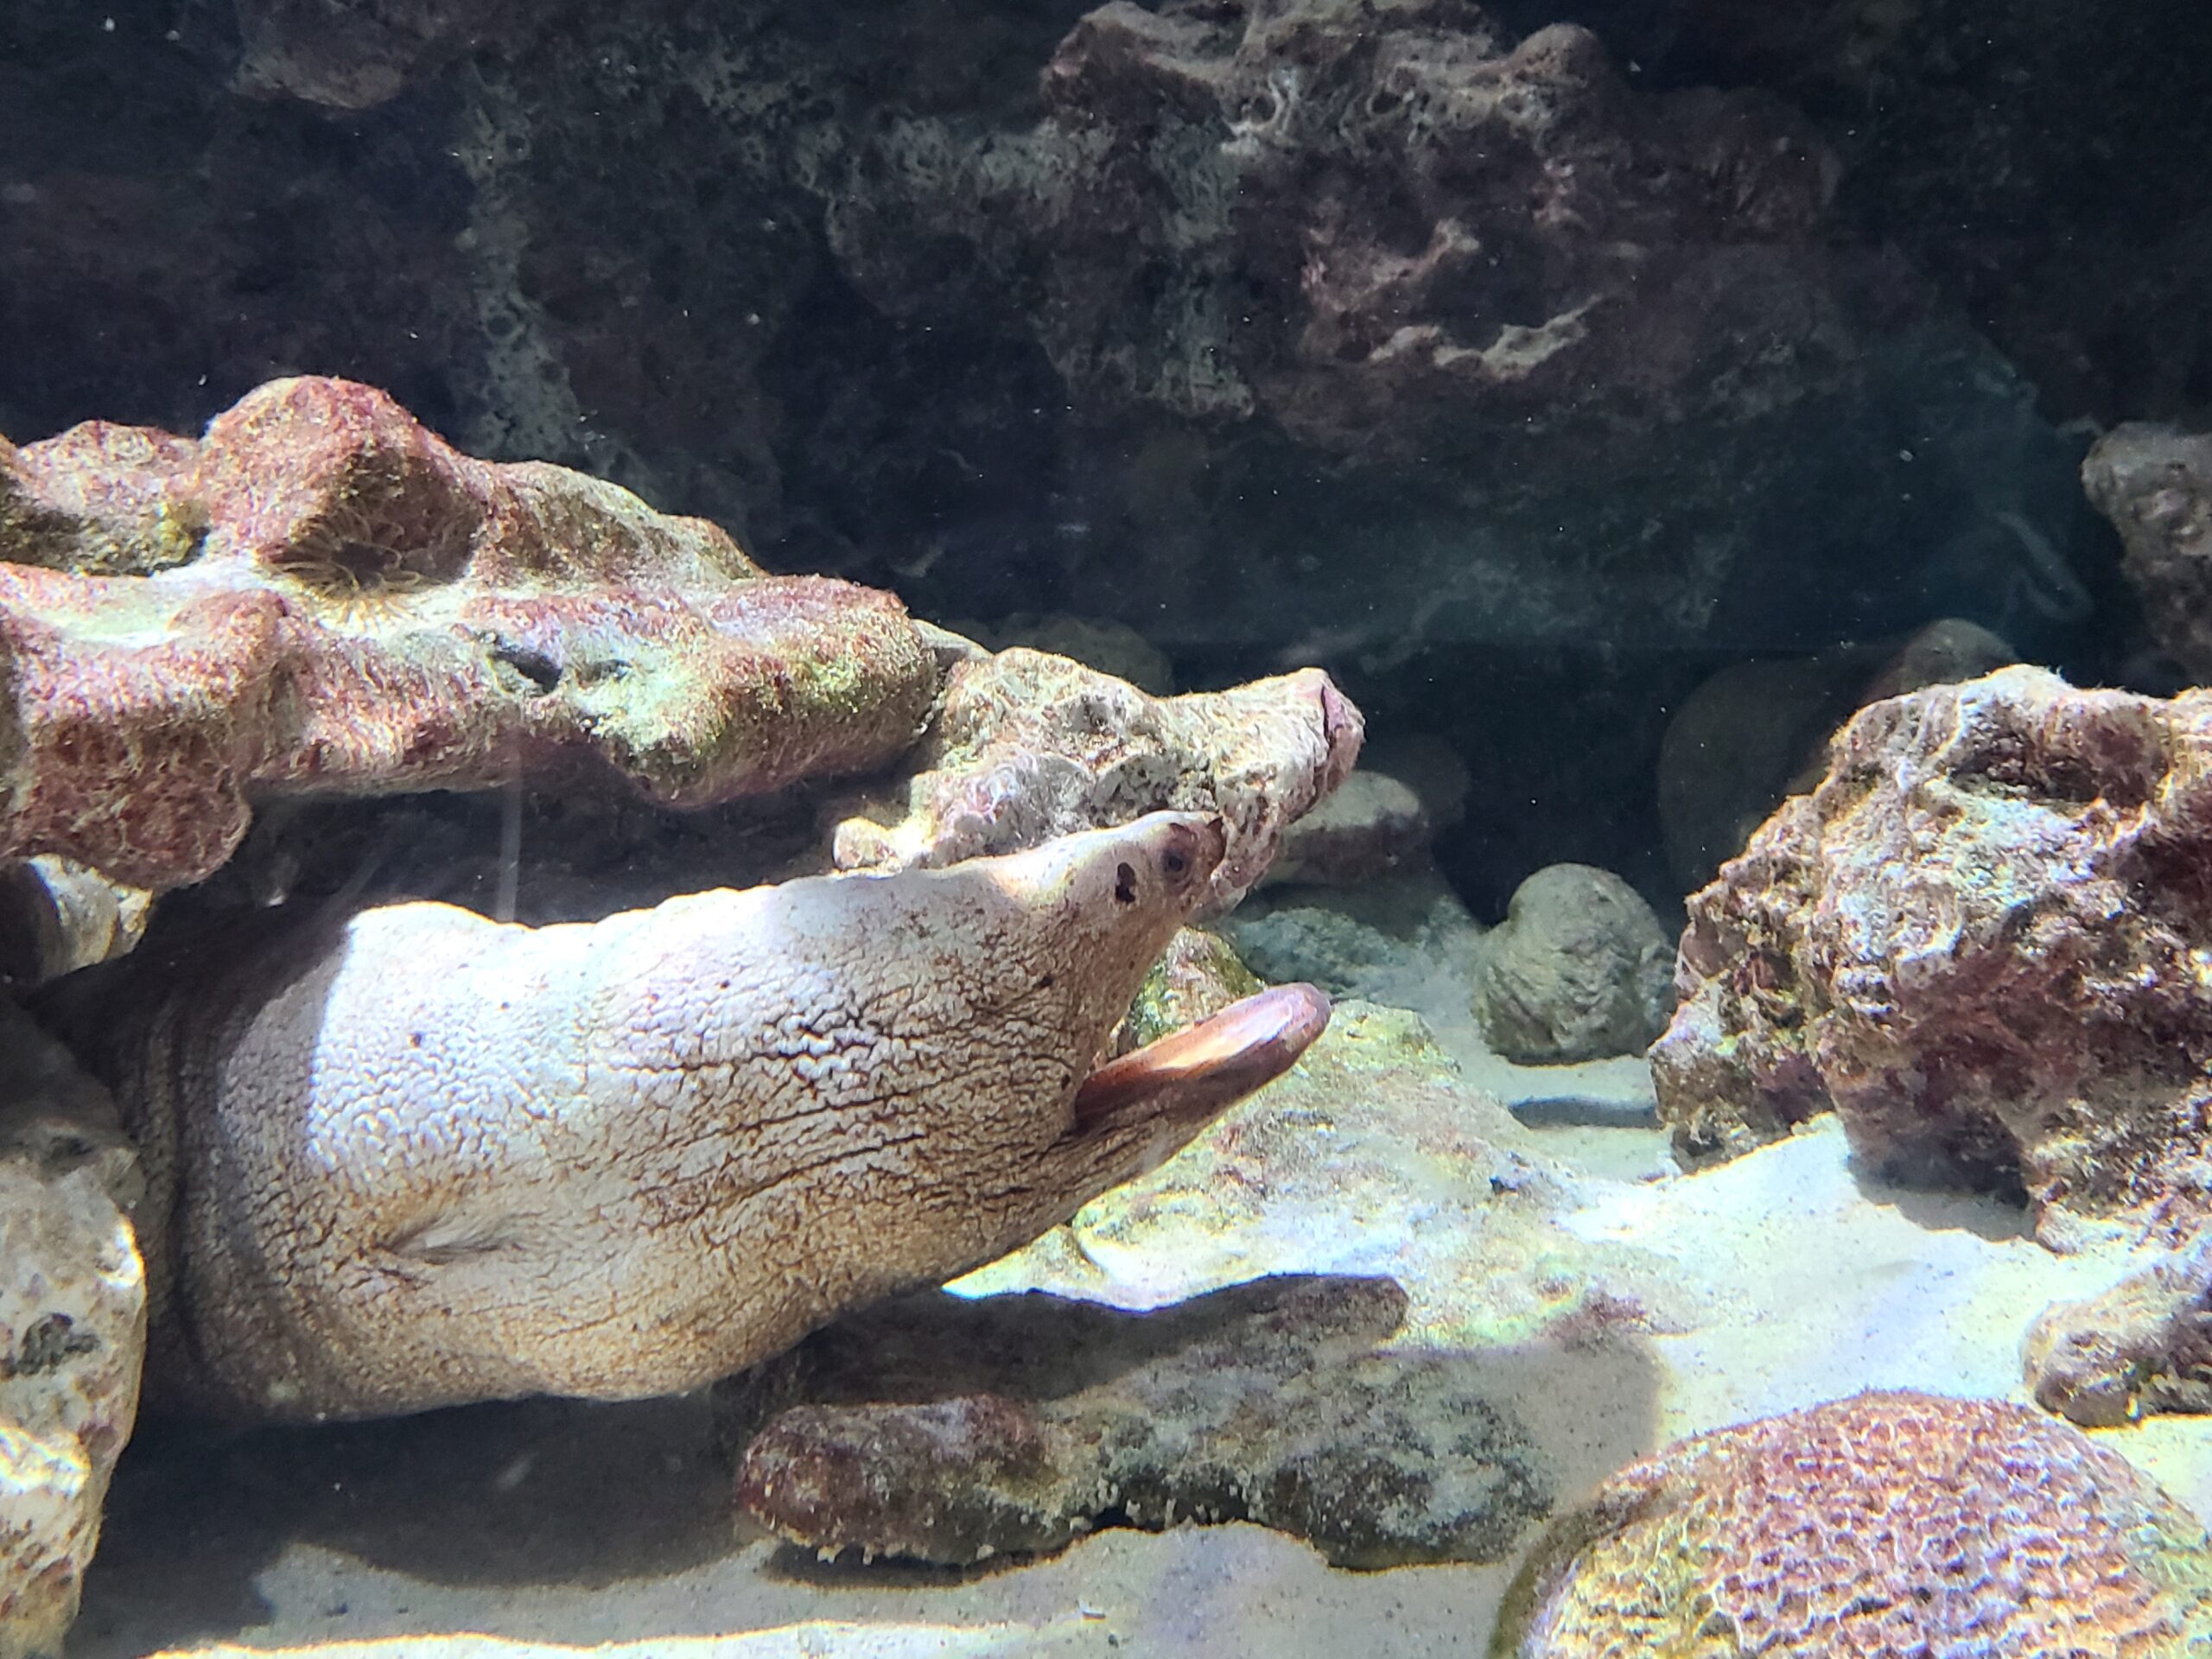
<point x="1199" y="1071"/>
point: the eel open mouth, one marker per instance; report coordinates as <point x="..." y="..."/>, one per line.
<point x="1198" y="1072"/>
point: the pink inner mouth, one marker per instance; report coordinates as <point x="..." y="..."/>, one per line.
<point x="1205" y="1067"/>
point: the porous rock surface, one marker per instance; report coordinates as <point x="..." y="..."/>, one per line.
<point x="1579" y="969"/>
<point x="321" y="595"/>
<point x="353" y="54"/>
<point x="73" y="1329"/>
<point x="1758" y="731"/>
<point x="1885" y="1526"/>
<point x="1983" y="940"/>
<point x="1024" y="746"/>
<point x="2155" y="484"/>
<point x="2141" y="1347"/>
<point x="422" y="1158"/>
<point x="1373" y="826"/>
<point x="948" y="1430"/>
<point x="1368" y="224"/>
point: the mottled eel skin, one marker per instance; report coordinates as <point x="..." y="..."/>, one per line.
<point x="428" y="1159"/>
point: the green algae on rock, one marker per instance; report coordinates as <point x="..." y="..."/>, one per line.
<point x="321" y="596"/>
<point x="950" y="1431"/>
<point x="1196" y="977"/>
<point x="1885" y="1526"/>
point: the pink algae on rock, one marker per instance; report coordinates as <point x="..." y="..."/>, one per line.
<point x="1983" y="940"/>
<point x="1886" y="1526"/>
<point x="321" y="595"/>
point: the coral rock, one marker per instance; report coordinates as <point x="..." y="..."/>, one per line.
<point x="72" y="1330"/>
<point x="2142" y="1347"/>
<point x="1371" y="224"/>
<point x="1373" y="826"/>
<point x="2155" y="484"/>
<point x="424" y="1158"/>
<point x="1579" y="969"/>
<point x="1026" y="745"/>
<point x="1759" y="731"/>
<point x="948" y="1431"/>
<point x="322" y="595"/>
<point x="1886" y="1526"/>
<point x="1983" y="938"/>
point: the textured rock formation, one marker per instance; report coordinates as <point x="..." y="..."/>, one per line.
<point x="429" y="1159"/>
<point x="1579" y="969"/>
<point x="72" y="1330"/>
<point x="1110" y="647"/>
<point x="56" y="916"/>
<point x="1026" y="746"/>
<point x="322" y="595"/>
<point x="1886" y="1526"/>
<point x="353" y="54"/>
<point x="1369" y="226"/>
<point x="1372" y="826"/>
<point x="2142" y="1347"/>
<point x="1981" y="940"/>
<point x="655" y="299"/>
<point x="1758" y="731"/>
<point x="947" y="1431"/>
<point x="1988" y="144"/>
<point x="2155" y="484"/>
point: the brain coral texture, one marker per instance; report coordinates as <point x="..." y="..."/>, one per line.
<point x="1886" y="1526"/>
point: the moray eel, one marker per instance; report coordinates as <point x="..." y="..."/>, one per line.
<point x="424" y="1158"/>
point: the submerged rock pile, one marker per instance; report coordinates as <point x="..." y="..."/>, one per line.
<point x="1372" y="227"/>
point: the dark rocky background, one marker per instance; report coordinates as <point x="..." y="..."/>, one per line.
<point x="1523" y="365"/>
